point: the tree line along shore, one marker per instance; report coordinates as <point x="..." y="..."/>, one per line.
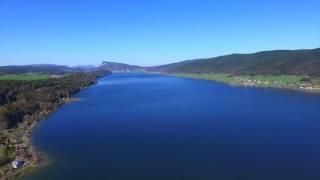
<point x="24" y="100"/>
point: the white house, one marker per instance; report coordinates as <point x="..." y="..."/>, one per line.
<point x="17" y="163"/>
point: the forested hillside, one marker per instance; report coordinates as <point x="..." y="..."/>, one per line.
<point x="279" y="62"/>
<point x="27" y="100"/>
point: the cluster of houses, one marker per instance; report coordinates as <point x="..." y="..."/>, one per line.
<point x="21" y="154"/>
<point x="22" y="158"/>
<point x="56" y="76"/>
<point x="252" y="82"/>
<point x="310" y="88"/>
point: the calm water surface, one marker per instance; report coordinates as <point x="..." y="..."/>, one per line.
<point x="150" y="127"/>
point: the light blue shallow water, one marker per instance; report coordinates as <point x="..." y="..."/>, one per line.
<point x="144" y="126"/>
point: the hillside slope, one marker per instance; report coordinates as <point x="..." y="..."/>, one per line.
<point x="114" y="66"/>
<point x="288" y="62"/>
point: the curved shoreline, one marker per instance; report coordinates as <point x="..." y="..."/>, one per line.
<point x="19" y="153"/>
<point x="38" y="159"/>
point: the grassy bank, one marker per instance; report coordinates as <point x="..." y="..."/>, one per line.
<point x="24" y="76"/>
<point x="282" y="81"/>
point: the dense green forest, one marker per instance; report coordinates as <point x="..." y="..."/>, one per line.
<point x="26" y="101"/>
<point x="279" y="62"/>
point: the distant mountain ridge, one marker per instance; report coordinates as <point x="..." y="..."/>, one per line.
<point x="44" y="68"/>
<point x="37" y="68"/>
<point x="276" y="62"/>
<point x="114" y="66"/>
<point x="288" y="62"/>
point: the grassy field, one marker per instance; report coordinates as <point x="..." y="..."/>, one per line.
<point x="24" y="77"/>
<point x="213" y="77"/>
<point x="281" y="81"/>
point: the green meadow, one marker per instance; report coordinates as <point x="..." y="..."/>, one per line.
<point x="24" y="77"/>
<point x="283" y="81"/>
<point x="213" y="77"/>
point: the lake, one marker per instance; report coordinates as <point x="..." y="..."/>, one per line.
<point x="147" y="126"/>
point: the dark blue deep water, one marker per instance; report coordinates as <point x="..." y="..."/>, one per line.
<point x="150" y="127"/>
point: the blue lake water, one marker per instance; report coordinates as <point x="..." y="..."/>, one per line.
<point x="150" y="127"/>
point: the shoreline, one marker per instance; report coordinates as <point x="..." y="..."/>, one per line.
<point x="38" y="158"/>
<point x="238" y="81"/>
<point x="20" y="155"/>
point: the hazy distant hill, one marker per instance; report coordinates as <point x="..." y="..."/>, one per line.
<point x="37" y="68"/>
<point x="113" y="66"/>
<point x="288" y="62"/>
<point x="44" y="68"/>
<point x="61" y="69"/>
<point x="292" y="62"/>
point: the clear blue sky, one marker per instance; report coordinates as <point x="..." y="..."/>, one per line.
<point x="151" y="32"/>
